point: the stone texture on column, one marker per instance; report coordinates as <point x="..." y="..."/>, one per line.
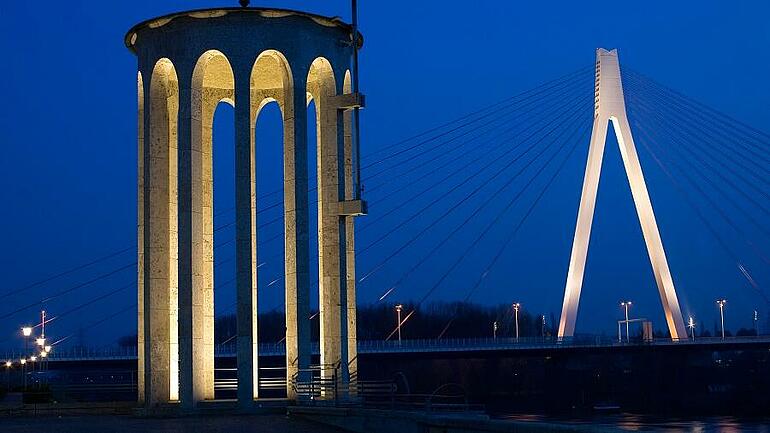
<point x="160" y="230"/>
<point x="245" y="239"/>
<point x="322" y="86"/>
<point x="350" y="250"/>
<point x="188" y="198"/>
<point x="140" y="242"/>
<point x="296" y="220"/>
<point x="211" y="83"/>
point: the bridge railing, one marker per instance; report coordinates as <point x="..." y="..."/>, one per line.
<point x="415" y="345"/>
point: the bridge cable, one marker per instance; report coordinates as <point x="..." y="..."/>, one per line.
<point x="486" y="229"/>
<point x="463" y="182"/>
<point x="761" y="139"/>
<point x="707" y="123"/>
<point x="678" y="132"/>
<point x="674" y="137"/>
<point x="645" y="136"/>
<point x="461" y="169"/>
<point x="462" y="225"/>
<point x="684" y="115"/>
<point x="582" y="138"/>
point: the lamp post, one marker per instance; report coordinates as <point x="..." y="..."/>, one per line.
<point x="8" y="365"/>
<point x="44" y="354"/>
<point x="721" y="303"/>
<point x="494" y="330"/>
<point x="756" y="318"/>
<point x="23" y="362"/>
<point x="516" y="308"/>
<point x="26" y="331"/>
<point x="691" y="325"/>
<point x="399" y="307"/>
<point x="626" y="305"/>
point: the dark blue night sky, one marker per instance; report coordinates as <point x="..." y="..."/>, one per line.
<point x="68" y="164"/>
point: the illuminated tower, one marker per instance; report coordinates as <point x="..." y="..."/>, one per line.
<point x="246" y="57"/>
<point x="610" y="106"/>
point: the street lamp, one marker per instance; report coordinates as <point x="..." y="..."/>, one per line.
<point x="721" y="303"/>
<point x="626" y="305"/>
<point x="516" y="308"/>
<point x="8" y="365"/>
<point x="47" y="349"/>
<point x="691" y="325"/>
<point x="26" y="331"/>
<point x="494" y="330"/>
<point x="399" y="307"/>
<point x="756" y="328"/>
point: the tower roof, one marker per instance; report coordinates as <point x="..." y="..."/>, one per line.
<point x="219" y="12"/>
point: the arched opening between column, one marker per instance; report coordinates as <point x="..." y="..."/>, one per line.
<point x="212" y="268"/>
<point x="161" y="237"/>
<point x="320" y="87"/>
<point x="272" y="105"/>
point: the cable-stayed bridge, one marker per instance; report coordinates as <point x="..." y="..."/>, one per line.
<point x="452" y="201"/>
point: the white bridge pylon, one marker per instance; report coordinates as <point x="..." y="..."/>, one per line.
<point x="610" y="106"/>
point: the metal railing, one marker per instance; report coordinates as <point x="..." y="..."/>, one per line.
<point x="418" y="345"/>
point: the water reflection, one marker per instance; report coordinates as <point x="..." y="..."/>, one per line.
<point x="646" y="423"/>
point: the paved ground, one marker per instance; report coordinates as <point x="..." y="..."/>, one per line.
<point x="127" y="424"/>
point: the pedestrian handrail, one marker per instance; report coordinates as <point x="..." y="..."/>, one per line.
<point x="416" y="345"/>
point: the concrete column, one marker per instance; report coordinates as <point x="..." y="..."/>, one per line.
<point x="160" y="239"/>
<point x="350" y="251"/>
<point x="188" y="157"/>
<point x="140" y="241"/>
<point x="245" y="238"/>
<point x="296" y="216"/>
<point x="196" y="249"/>
<point x="329" y="246"/>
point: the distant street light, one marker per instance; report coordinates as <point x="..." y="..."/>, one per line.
<point x="26" y="331"/>
<point x="516" y="307"/>
<point x="756" y="317"/>
<point x="8" y="365"/>
<point x="399" y="307"/>
<point x="721" y="303"/>
<point x="494" y="330"/>
<point x="691" y="325"/>
<point x="626" y="305"/>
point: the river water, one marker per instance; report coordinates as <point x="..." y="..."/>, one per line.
<point x="646" y="423"/>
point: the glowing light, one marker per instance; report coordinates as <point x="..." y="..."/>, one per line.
<point x="8" y="364"/>
<point x="47" y="349"/>
<point x="40" y="341"/>
<point x="27" y="331"/>
<point x="22" y="361"/>
<point x="33" y="358"/>
<point x="43" y="354"/>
